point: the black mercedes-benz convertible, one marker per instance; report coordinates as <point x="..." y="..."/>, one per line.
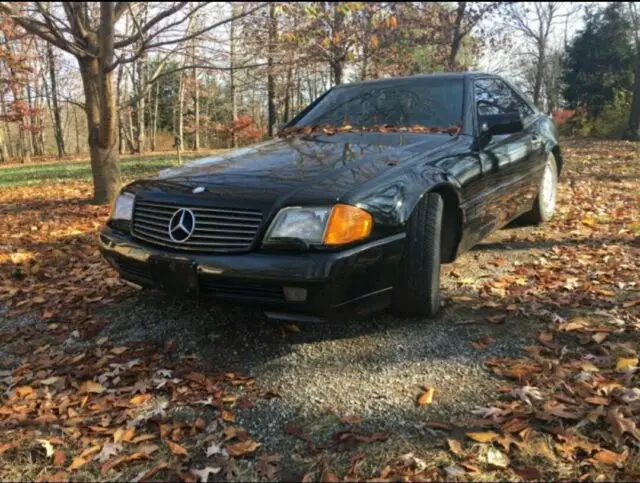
<point x="352" y="208"/>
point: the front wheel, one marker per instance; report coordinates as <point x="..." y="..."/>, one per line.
<point x="545" y="204"/>
<point x="417" y="291"/>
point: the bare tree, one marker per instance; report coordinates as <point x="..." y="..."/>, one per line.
<point x="88" y="32"/>
<point x="535" y="21"/>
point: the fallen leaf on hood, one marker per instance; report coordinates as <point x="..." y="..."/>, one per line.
<point x="426" y="397"/>
<point x="483" y="437"/>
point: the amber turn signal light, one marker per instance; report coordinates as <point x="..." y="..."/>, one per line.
<point x="347" y="224"/>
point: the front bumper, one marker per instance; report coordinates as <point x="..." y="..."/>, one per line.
<point x="358" y="279"/>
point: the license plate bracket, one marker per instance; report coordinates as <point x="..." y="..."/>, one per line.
<point x="176" y="276"/>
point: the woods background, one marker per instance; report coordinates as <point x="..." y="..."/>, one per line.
<point x="132" y="77"/>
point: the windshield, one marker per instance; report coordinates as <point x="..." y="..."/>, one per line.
<point x="413" y="103"/>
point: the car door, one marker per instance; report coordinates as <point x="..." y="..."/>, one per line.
<point x="509" y="161"/>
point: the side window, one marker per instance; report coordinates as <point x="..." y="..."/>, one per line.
<point x="495" y="97"/>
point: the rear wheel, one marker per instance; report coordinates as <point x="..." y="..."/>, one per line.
<point x="418" y="289"/>
<point x="545" y="204"/>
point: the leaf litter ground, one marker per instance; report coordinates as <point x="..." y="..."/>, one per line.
<point x="87" y="397"/>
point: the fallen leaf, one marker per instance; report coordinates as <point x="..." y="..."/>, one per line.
<point x="203" y="474"/>
<point x="528" y="473"/>
<point x="4" y="447"/>
<point x="24" y="391"/>
<point x="139" y="399"/>
<point x="242" y="448"/>
<point x="108" y="450"/>
<point x="59" y="458"/>
<point x="329" y="477"/>
<point x="426" y="397"/>
<point x="109" y="465"/>
<point x="268" y="465"/>
<point x="91" y="387"/>
<point x="483" y="437"/>
<point x="351" y="419"/>
<point x="611" y="458"/>
<point x="176" y="449"/>
<point x="76" y="463"/>
<point x="48" y="447"/>
<point x="625" y="363"/>
<point x="454" y="446"/>
<point x="495" y="457"/>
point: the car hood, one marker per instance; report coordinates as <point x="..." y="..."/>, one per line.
<point x="311" y="169"/>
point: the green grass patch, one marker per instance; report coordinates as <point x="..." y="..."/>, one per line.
<point x="130" y="167"/>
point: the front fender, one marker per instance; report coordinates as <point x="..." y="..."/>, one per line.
<point x="392" y="201"/>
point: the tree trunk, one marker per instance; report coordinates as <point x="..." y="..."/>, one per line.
<point x="57" y="124"/>
<point x="271" y="83"/>
<point x="180" y="115"/>
<point x="456" y="39"/>
<point x="140" y="105"/>
<point x="154" y="128"/>
<point x="118" y="102"/>
<point x="287" y="94"/>
<point x="196" y="87"/>
<point x="232" y="80"/>
<point x="101" y="111"/>
<point x="75" y="116"/>
<point x="537" y="86"/>
<point x="634" y="115"/>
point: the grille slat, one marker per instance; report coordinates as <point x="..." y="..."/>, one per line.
<point x="216" y="229"/>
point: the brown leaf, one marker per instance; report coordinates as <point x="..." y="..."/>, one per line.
<point x="24" y="391"/>
<point x="351" y="419"/>
<point x="426" y="397"/>
<point x="176" y="449"/>
<point x="4" y="447"/>
<point x="148" y="474"/>
<point x="139" y="399"/>
<point x="59" y="458"/>
<point x="243" y="447"/>
<point x="483" y="437"/>
<point x="621" y="425"/>
<point x="528" y="473"/>
<point x="91" y="387"/>
<point x="329" y="476"/>
<point x="454" y="446"/>
<point x="109" y="465"/>
<point x="58" y="477"/>
<point x="78" y="462"/>
<point x="611" y="458"/>
<point x="268" y="465"/>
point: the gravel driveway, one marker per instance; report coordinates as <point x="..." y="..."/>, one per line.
<point x="372" y="367"/>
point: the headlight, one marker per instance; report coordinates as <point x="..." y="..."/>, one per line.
<point x="123" y="207"/>
<point x="331" y="226"/>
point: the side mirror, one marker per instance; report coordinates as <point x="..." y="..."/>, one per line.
<point x="498" y="124"/>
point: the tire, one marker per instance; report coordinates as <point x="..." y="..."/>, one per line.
<point x="418" y="289"/>
<point x="544" y="205"/>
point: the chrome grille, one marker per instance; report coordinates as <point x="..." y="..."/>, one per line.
<point x="216" y="229"/>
